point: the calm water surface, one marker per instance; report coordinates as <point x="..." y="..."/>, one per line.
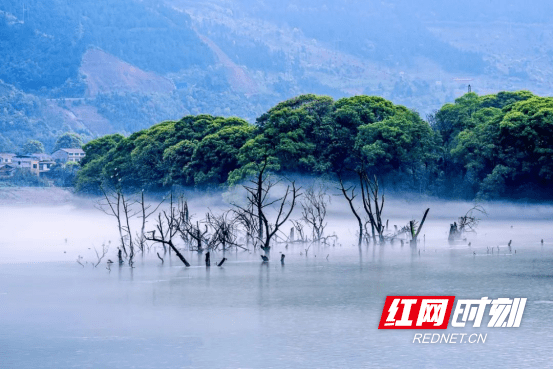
<point x="313" y="312"/>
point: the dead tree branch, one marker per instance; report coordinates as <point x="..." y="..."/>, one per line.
<point x="167" y="228"/>
<point x="415" y="228"/>
<point x="349" y="195"/>
<point x="112" y="206"/>
<point x="314" y="205"/>
<point x="145" y="213"/>
<point x="371" y="197"/>
<point x="258" y="201"/>
<point x="105" y="249"/>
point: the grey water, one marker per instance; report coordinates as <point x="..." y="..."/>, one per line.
<point x="319" y="310"/>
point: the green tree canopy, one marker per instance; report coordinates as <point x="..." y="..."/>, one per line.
<point x="33" y="147"/>
<point x="99" y="147"/>
<point x="402" y="142"/>
<point x="487" y="146"/>
<point x="509" y="150"/>
<point x="196" y="150"/>
<point x="68" y="141"/>
<point x="342" y="141"/>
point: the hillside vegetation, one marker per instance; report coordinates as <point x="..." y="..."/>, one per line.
<point x="107" y="66"/>
<point x="47" y="39"/>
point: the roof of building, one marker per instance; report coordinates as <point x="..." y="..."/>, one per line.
<point x="71" y="150"/>
<point x="41" y="155"/>
<point x="6" y="154"/>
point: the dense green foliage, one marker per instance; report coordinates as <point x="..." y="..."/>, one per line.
<point x="480" y="146"/>
<point x="68" y="141"/>
<point x="308" y="134"/>
<point x="498" y="145"/>
<point x="33" y="147"/>
<point x="196" y="150"/>
<point x="63" y="175"/>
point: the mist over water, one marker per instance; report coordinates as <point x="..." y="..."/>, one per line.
<point x="315" y="311"/>
<point x="445" y="98"/>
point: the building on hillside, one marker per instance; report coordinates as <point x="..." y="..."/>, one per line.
<point x="45" y="162"/>
<point x="26" y="162"/>
<point x="6" y="170"/>
<point x="6" y="158"/>
<point x="64" y="156"/>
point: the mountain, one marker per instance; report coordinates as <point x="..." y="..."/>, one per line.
<point x="119" y="66"/>
<point x="420" y="54"/>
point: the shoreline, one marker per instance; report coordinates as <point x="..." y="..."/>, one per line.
<point x="36" y="196"/>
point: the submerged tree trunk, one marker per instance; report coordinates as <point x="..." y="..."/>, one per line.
<point x="415" y="232"/>
<point x="179" y="255"/>
<point x="259" y="203"/>
<point x="171" y="246"/>
<point x="454" y="233"/>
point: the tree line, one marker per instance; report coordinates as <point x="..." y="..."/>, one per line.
<point x="492" y="146"/>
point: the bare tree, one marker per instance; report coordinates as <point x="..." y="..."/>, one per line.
<point x="168" y="226"/>
<point x="249" y="222"/>
<point x="349" y="195"/>
<point x="145" y="213"/>
<point x="115" y="203"/>
<point x="469" y="222"/>
<point x="224" y="230"/>
<point x="373" y="205"/>
<point x="100" y="256"/>
<point x="111" y="205"/>
<point x="371" y="197"/>
<point x="296" y="232"/>
<point x="128" y="213"/>
<point x="314" y="205"/>
<point x="196" y="234"/>
<point x="258" y="201"/>
<point x="466" y="223"/>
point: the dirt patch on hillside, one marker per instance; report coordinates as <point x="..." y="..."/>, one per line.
<point x="106" y="73"/>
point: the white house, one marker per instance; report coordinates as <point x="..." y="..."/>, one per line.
<point x="26" y="162"/>
<point x="68" y="155"/>
<point x="6" y="158"/>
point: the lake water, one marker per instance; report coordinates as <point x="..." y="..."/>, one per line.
<point x="313" y="312"/>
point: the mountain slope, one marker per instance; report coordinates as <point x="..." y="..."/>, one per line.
<point x="119" y="66"/>
<point x="43" y="42"/>
<point x="105" y="73"/>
